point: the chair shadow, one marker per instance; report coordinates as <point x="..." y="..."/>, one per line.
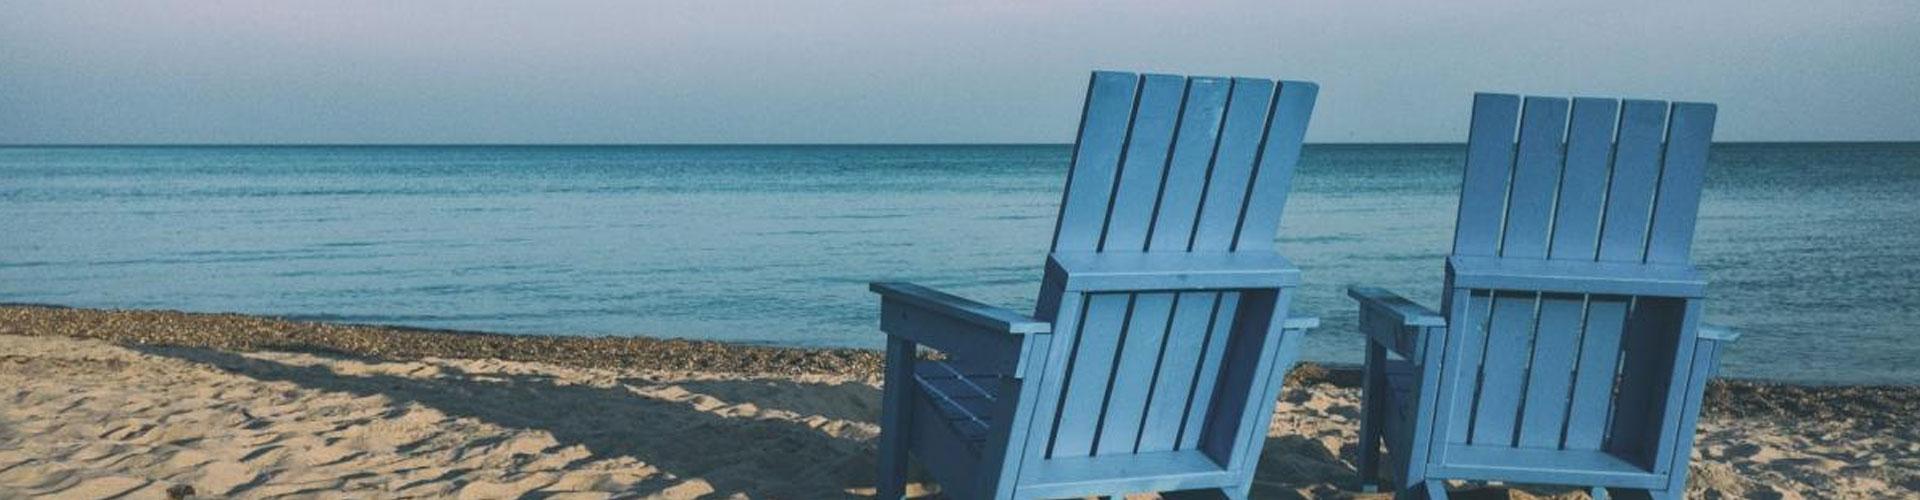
<point x="1293" y="463"/>
<point x="851" y="401"/>
<point x="759" y="457"/>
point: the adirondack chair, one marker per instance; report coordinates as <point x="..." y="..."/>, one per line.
<point x="1161" y="334"/>
<point x="1570" y="350"/>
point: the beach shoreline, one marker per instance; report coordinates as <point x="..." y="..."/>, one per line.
<point x="249" y="406"/>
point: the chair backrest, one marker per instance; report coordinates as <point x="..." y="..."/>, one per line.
<point x="1165" y="163"/>
<point x="1600" y="181"/>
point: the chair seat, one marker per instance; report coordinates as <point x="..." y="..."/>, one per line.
<point x="965" y="400"/>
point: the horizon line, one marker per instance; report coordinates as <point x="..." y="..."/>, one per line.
<point x="760" y="144"/>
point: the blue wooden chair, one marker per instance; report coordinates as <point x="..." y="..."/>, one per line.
<point x="1569" y="352"/>
<point x="1161" y="335"/>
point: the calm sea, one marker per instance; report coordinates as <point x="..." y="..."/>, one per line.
<point x="1813" y="249"/>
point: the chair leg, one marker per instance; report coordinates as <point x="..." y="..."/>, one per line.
<point x="895" y="416"/>
<point x="1372" y="416"/>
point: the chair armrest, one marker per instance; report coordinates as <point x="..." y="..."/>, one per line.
<point x="1393" y="322"/>
<point x="1404" y="311"/>
<point x="1132" y="272"/>
<point x="1718" y="333"/>
<point x="1622" y="278"/>
<point x="986" y="316"/>
<point x="1300" y="323"/>
<point x="985" y="336"/>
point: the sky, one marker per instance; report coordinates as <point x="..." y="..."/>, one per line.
<point x="891" y="71"/>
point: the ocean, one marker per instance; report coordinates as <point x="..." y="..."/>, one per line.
<point x="1813" y="250"/>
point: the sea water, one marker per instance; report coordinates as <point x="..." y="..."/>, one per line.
<point x="1813" y="249"/>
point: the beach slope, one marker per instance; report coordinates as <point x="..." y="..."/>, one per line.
<point x="88" y="413"/>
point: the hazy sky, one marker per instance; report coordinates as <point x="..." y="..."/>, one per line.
<point x="199" y="71"/>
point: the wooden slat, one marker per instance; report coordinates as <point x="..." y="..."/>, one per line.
<point x="1154" y="116"/>
<point x="1096" y="158"/>
<point x="1273" y="176"/>
<point x="1129" y="271"/>
<point x="1594" y="378"/>
<point x="1133" y="374"/>
<point x="979" y="346"/>
<point x="1504" y="369"/>
<point x="1089" y="371"/>
<point x="1160" y="428"/>
<point x="1705" y="358"/>
<point x="1207" y="376"/>
<point x="1497" y="463"/>
<point x="1186" y="178"/>
<point x="1279" y="348"/>
<point x="1571" y="276"/>
<point x="1483" y="188"/>
<point x="1471" y="334"/>
<point x="1227" y="181"/>
<point x="996" y="319"/>
<point x="1031" y="434"/>
<point x="1242" y="373"/>
<point x="1079" y="477"/>
<point x="1426" y="401"/>
<point x="1550" y="375"/>
<point x="1583" y="184"/>
<point x="1536" y="178"/>
<point x="1683" y="328"/>
<point x="954" y="469"/>
<point x="1647" y="356"/>
<point x="1636" y="165"/>
<point x="1682" y="175"/>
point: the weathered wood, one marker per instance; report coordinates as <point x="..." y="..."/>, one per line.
<point x="1273" y="171"/>
<point x="1206" y="378"/>
<point x="1536" y="177"/>
<point x="1594" y="380"/>
<point x="1144" y="163"/>
<point x="1089" y="373"/>
<point x="1583" y="183"/>
<point x="979" y="346"/>
<point x="1566" y="276"/>
<point x="1139" y="349"/>
<point x="1133" y="374"/>
<point x="1173" y="382"/>
<point x="1483" y="191"/>
<point x="1087" y="476"/>
<point x="1550" y="375"/>
<point x="1096" y="160"/>
<point x="1104" y="272"/>
<point x="1392" y="321"/>
<point x="1636" y="166"/>
<point x="1373" y="417"/>
<point x="1571" y="352"/>
<point x="934" y="301"/>
<point x="1682" y="174"/>
<point x="1187" y="166"/>
<point x="1646" y="359"/>
<point x="1225" y="197"/>
<point x="1502" y="372"/>
<point x="1466" y="344"/>
<point x="895" y="416"/>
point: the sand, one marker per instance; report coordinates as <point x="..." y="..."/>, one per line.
<point x="89" y="418"/>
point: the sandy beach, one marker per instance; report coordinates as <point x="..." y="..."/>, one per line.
<point x="145" y="404"/>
